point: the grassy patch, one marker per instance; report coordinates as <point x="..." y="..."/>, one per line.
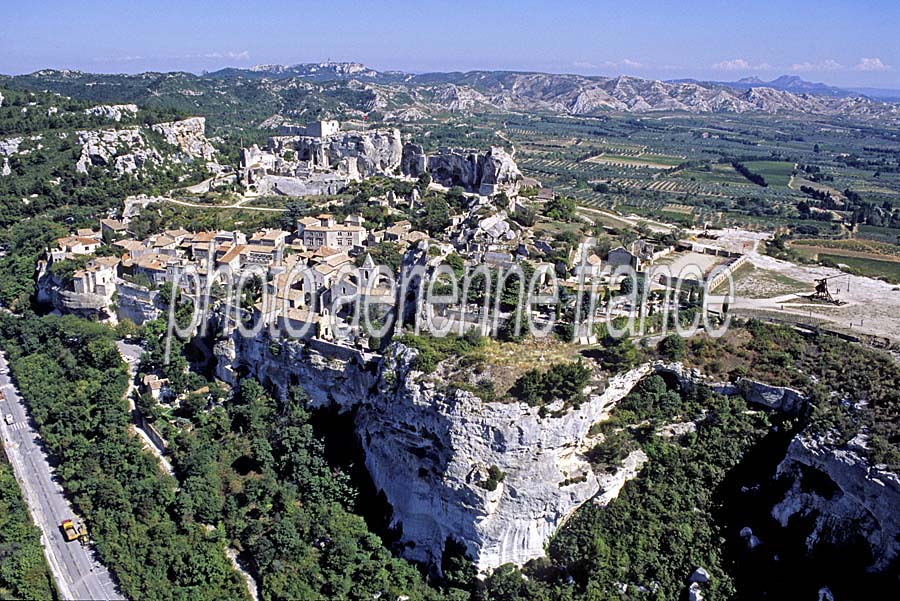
<point x="776" y="173"/>
<point x="884" y="270"/>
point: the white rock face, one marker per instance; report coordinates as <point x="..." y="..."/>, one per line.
<point x="780" y="398"/>
<point x="125" y="149"/>
<point x="5" y="170"/>
<point x="430" y="449"/>
<point x="859" y="500"/>
<point x="611" y="484"/>
<point x="10" y="146"/>
<point x="300" y="165"/>
<point x="133" y="205"/>
<point x="456" y="98"/>
<point x="486" y="173"/>
<point x="113" y="112"/>
<point x="699" y="575"/>
<point x="188" y="135"/>
<point x="694" y="592"/>
<point x="499" y="173"/>
<point x="128" y="151"/>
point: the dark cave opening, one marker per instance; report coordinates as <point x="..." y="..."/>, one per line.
<point x="344" y="451"/>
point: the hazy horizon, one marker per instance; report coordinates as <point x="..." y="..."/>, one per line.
<point x="833" y="42"/>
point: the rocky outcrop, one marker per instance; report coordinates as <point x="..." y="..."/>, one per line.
<point x="127" y="150"/>
<point x="414" y="161"/>
<point x="310" y="165"/>
<point x="486" y="173"/>
<point x="133" y="205"/>
<point x="496" y="477"/>
<point x="611" y="483"/>
<point x="113" y="112"/>
<point x="299" y="165"/>
<point x="10" y="146"/>
<point x="51" y="291"/>
<point x="431" y="451"/>
<point x="5" y="169"/>
<point x="847" y="497"/>
<point x="188" y="135"/>
<point x="406" y="115"/>
<point x="357" y="154"/>
<point x="499" y="173"/>
<point x="780" y="398"/>
<point x="137" y="303"/>
<point x="454" y="98"/>
<point x="124" y="149"/>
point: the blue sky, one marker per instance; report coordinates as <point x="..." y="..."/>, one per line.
<point x="843" y="43"/>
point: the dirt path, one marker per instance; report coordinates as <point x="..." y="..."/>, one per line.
<point x="632" y="220"/>
<point x="238" y="205"/>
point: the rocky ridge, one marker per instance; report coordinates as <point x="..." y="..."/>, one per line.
<point x="850" y="498"/>
<point x="352" y="90"/>
<point x="188" y="135"/>
<point x="113" y="112"/>
<point x="431" y="450"/>
<point x="486" y="173"/>
<point x="501" y="480"/>
<point x="128" y="150"/>
<point x="298" y="165"/>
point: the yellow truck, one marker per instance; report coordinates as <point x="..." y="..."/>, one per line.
<point x="69" y="530"/>
<point x="72" y="532"/>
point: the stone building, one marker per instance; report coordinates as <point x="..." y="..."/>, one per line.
<point x="326" y="232"/>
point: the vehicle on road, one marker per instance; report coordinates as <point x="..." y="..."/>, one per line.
<point x="69" y="530"/>
<point x="10" y="419"/>
<point x="73" y="532"/>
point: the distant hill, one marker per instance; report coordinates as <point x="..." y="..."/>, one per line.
<point x="267" y="95"/>
<point x="883" y="94"/>
<point x="784" y="83"/>
<point x="793" y="84"/>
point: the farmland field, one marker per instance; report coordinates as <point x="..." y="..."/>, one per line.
<point x="776" y="173"/>
<point x="650" y="161"/>
<point x="719" y="173"/>
<point x="881" y="234"/>
<point x="862" y="248"/>
<point x="885" y="270"/>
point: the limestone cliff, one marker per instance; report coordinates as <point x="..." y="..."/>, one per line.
<point x="128" y="149"/>
<point x="355" y="154"/>
<point x="124" y="149"/>
<point x="188" y="135"/>
<point x="431" y="449"/>
<point x="847" y="497"/>
<point x="486" y="173"/>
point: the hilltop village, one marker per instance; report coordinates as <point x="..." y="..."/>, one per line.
<point x="293" y="357"/>
<point x="448" y="212"/>
<point x="338" y="252"/>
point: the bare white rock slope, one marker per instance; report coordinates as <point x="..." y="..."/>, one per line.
<point x="430" y="448"/>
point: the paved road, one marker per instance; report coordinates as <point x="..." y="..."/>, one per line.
<point x="78" y="573"/>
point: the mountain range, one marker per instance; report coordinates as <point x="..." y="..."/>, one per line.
<point x="269" y="94"/>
